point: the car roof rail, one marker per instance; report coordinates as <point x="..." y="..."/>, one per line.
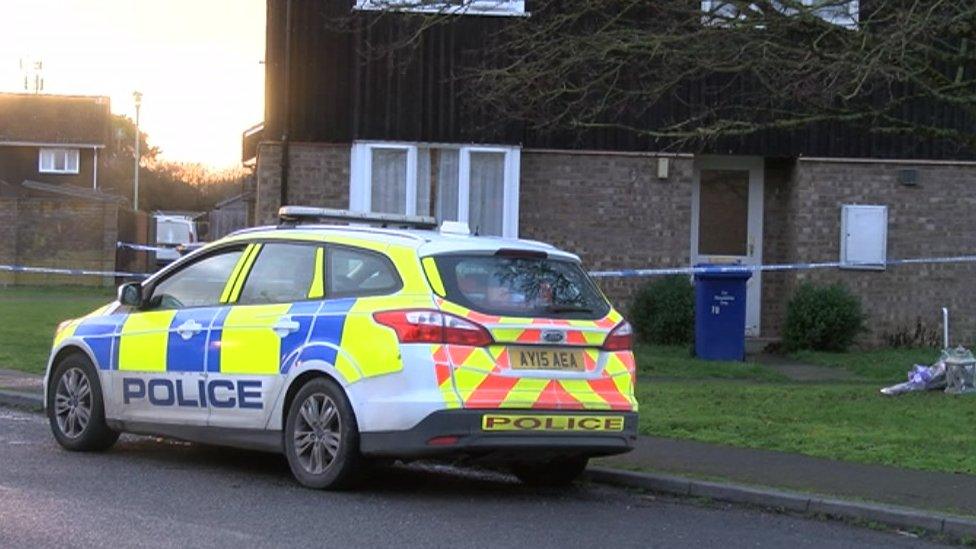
<point x="292" y="216"/>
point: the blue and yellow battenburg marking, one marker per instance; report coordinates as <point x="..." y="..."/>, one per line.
<point x="239" y="339"/>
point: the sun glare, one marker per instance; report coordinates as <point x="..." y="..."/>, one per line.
<point x="197" y="62"/>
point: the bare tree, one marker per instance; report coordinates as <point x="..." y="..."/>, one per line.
<point x="706" y="70"/>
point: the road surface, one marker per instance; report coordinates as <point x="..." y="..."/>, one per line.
<point x="152" y="493"/>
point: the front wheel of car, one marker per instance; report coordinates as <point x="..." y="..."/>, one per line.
<point x="75" y="407"/>
<point x="322" y="437"/>
<point x="553" y="473"/>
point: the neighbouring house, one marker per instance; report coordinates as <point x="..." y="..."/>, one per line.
<point x="53" y="209"/>
<point x="53" y="139"/>
<point x="373" y="130"/>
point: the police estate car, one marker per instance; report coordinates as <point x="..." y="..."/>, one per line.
<point x="341" y="344"/>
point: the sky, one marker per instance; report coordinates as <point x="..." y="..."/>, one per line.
<point x="197" y="63"/>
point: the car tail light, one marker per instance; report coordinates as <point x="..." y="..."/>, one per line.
<point x="429" y="326"/>
<point x="621" y="338"/>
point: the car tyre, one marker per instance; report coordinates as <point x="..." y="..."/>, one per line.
<point x="322" y="437"/>
<point x="552" y="473"/>
<point x="75" y="407"/>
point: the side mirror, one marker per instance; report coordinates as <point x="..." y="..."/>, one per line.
<point x="130" y="294"/>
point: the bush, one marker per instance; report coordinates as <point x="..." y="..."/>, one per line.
<point x="822" y="318"/>
<point x="664" y="311"/>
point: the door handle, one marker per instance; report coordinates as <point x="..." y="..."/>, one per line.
<point x="189" y="329"/>
<point x="285" y="326"/>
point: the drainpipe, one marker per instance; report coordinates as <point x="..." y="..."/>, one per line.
<point x="286" y="108"/>
<point x="95" y="170"/>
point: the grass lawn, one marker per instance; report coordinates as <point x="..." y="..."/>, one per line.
<point x="883" y="365"/>
<point x="30" y="315"/>
<point x="847" y="421"/>
<point x="672" y="362"/>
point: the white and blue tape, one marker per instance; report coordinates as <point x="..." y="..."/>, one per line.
<point x="625" y="273"/>
<point x="140" y="247"/>
<point x="716" y="269"/>
<point x="68" y="272"/>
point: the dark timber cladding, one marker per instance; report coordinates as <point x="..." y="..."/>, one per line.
<point x="347" y="84"/>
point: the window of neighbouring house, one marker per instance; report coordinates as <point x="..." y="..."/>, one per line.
<point x="472" y="7"/>
<point x="844" y="13"/>
<point x="58" y="161"/>
<point x="477" y="185"/>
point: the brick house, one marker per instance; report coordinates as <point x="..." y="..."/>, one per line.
<point x="53" y="210"/>
<point x="392" y="133"/>
<point x="52" y="139"/>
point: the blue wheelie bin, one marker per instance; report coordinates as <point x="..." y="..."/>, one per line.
<point x="720" y="314"/>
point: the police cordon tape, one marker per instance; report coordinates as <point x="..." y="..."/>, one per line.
<point x="140" y="247"/>
<point x="627" y="273"/>
<point x="717" y="269"/>
<point x="69" y="272"/>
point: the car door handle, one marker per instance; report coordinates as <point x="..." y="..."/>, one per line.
<point x="189" y="329"/>
<point x="285" y="326"/>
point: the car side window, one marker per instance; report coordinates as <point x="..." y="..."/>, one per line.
<point x="354" y="272"/>
<point x="198" y="284"/>
<point x="282" y="273"/>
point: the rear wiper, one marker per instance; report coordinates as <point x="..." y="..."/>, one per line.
<point x="568" y="309"/>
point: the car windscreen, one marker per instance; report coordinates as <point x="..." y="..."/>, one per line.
<point x="519" y="286"/>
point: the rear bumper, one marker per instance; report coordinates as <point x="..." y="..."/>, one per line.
<point x="472" y="441"/>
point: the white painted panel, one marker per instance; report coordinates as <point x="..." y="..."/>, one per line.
<point x="864" y="236"/>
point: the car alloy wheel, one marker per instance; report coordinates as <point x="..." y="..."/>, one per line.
<point x="73" y="402"/>
<point x="318" y="433"/>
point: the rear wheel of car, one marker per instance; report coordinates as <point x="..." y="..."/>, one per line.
<point x="75" y="408"/>
<point x="322" y="437"/>
<point x="556" y="472"/>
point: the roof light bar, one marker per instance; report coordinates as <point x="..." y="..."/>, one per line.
<point x="294" y="215"/>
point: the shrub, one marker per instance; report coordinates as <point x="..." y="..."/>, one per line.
<point x="664" y="311"/>
<point x="822" y="318"/>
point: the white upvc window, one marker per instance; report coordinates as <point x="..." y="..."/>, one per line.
<point x="466" y="7"/>
<point x="844" y="13"/>
<point x="58" y="161"/>
<point x="477" y="185"/>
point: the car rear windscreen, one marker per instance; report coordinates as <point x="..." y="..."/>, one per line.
<point x="173" y="232"/>
<point x="517" y="286"/>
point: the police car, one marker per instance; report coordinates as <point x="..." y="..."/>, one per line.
<point x="340" y="344"/>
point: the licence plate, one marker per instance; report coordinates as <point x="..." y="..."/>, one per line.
<point x="546" y="358"/>
<point x="511" y="422"/>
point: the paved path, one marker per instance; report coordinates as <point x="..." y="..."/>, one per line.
<point x="919" y="489"/>
<point x="146" y="493"/>
<point x="20" y="381"/>
<point x="796" y="371"/>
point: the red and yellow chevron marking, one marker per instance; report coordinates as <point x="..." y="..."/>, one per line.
<point x="530" y="330"/>
<point x="480" y="375"/>
<point x="442" y="373"/>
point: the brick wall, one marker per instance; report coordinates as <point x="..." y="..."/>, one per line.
<point x="610" y="209"/>
<point x="934" y="218"/>
<point x="41" y="232"/>
<point x="8" y="236"/>
<point x="614" y="212"/>
<point x="318" y="175"/>
<point x="778" y="241"/>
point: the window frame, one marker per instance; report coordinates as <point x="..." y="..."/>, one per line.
<point x="851" y="21"/>
<point x="51" y="153"/>
<point x="148" y="289"/>
<point x="327" y="286"/>
<point x="361" y="177"/>
<point x="505" y="8"/>
<point x="269" y="242"/>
